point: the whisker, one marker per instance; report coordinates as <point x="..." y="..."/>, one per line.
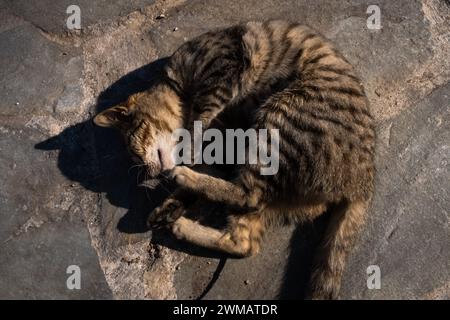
<point x="146" y="191"/>
<point x="136" y="166"/>
<point x="109" y="156"/>
<point x="138" y="175"/>
<point x="146" y="176"/>
<point x="166" y="176"/>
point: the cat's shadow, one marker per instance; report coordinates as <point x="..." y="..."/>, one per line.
<point x="96" y="158"/>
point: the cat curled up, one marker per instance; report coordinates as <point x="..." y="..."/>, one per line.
<point x="287" y="77"/>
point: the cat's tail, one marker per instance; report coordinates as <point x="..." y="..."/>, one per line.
<point x="345" y="222"/>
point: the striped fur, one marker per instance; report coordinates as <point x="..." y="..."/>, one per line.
<point x="279" y="75"/>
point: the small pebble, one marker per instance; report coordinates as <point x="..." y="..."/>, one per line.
<point x="17" y="103"/>
<point x="161" y="16"/>
<point x="175" y="29"/>
<point x="209" y="262"/>
<point x="377" y="92"/>
<point x="246" y="282"/>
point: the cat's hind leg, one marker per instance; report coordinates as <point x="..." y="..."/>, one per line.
<point x="242" y="238"/>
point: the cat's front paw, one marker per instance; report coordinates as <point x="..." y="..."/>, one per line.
<point x="184" y="176"/>
<point x="166" y="214"/>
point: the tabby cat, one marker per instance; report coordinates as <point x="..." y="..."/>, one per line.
<point x="297" y="82"/>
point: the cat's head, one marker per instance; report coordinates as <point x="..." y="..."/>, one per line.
<point x="147" y="121"/>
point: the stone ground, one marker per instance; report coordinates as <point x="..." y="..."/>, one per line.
<point x="68" y="196"/>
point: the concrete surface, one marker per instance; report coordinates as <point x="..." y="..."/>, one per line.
<point x="69" y="197"/>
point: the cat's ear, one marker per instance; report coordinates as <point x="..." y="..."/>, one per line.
<point x="118" y="117"/>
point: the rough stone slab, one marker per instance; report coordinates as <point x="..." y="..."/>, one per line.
<point x="51" y="16"/>
<point x="43" y="228"/>
<point x="34" y="265"/>
<point x="400" y="66"/>
<point x="38" y="76"/>
<point x="409" y="229"/>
